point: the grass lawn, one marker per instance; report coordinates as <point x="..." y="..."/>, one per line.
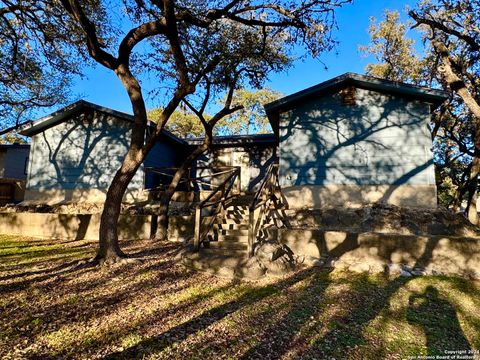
<point x="50" y="307"/>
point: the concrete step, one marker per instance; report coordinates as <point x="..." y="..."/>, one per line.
<point x="237" y="219"/>
<point x="232" y="232"/>
<point x="228" y="245"/>
<point x="230" y="226"/>
<point x="238" y="207"/>
<point x="230" y="221"/>
<point x="237" y="211"/>
<point x="228" y="237"/>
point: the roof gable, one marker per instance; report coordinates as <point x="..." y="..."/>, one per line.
<point x="427" y="95"/>
<point x="34" y="127"/>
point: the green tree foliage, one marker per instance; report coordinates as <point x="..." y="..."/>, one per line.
<point x="393" y="50"/>
<point x="183" y="122"/>
<point x="251" y="118"/>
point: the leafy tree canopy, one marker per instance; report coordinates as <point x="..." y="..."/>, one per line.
<point x="39" y="55"/>
<point x="190" y="52"/>
<point x="251" y="118"/>
<point x="183" y="122"/>
<point x="394" y="51"/>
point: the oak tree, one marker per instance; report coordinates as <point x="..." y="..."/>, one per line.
<point x="184" y="46"/>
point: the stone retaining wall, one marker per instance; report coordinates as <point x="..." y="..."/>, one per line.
<point x="444" y="254"/>
<point x="86" y="226"/>
<point x="66" y="226"/>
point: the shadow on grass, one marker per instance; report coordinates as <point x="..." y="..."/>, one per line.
<point x="307" y="315"/>
<point x="438" y="319"/>
<point x="181" y="332"/>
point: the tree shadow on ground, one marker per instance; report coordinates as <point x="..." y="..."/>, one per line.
<point x="438" y="319"/>
<point x="181" y="332"/>
<point x="309" y="314"/>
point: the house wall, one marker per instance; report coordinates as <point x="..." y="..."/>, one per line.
<point x="165" y="153"/>
<point x="378" y="150"/>
<point x="14" y="163"/>
<point x="77" y="159"/>
<point x="253" y="160"/>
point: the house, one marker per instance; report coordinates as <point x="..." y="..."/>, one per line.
<point x="13" y="161"/>
<point x="76" y="151"/>
<point x="349" y="141"/>
<point x="13" y="171"/>
<point x="354" y="140"/>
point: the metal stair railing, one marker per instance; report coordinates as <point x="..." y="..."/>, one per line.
<point x="168" y="172"/>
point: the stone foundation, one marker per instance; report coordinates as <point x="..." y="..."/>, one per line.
<point x="316" y="197"/>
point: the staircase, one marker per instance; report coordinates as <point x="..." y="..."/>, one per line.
<point x="229" y="226"/>
<point x="229" y="233"/>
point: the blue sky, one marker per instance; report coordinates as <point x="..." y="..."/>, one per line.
<point x="102" y="87"/>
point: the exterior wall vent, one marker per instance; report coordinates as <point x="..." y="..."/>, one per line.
<point x="88" y="117"/>
<point x="347" y="95"/>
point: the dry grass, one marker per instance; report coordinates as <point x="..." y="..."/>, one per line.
<point x="52" y="308"/>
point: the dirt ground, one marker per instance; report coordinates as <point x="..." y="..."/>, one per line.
<point x="53" y="305"/>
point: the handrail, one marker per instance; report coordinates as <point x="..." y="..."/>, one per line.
<point x="254" y="204"/>
<point x="225" y="187"/>
<point x="189" y="180"/>
<point x="267" y="192"/>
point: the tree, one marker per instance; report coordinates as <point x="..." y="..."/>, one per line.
<point x="246" y="112"/>
<point x="191" y="48"/>
<point x="183" y="122"/>
<point x="454" y="36"/>
<point x="37" y="60"/>
<point x="394" y="51"/>
<point x="251" y="118"/>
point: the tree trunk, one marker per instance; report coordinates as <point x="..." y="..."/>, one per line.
<point x="109" y="251"/>
<point x="162" y="216"/>
<point x="472" y="213"/>
<point x="458" y="86"/>
<point x="457" y="201"/>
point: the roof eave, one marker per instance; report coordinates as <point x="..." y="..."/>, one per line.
<point x="428" y="95"/>
<point x="34" y="127"/>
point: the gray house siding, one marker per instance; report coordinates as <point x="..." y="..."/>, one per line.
<point x="77" y="156"/>
<point x="381" y="140"/>
<point x="13" y="161"/>
<point x="165" y="153"/>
